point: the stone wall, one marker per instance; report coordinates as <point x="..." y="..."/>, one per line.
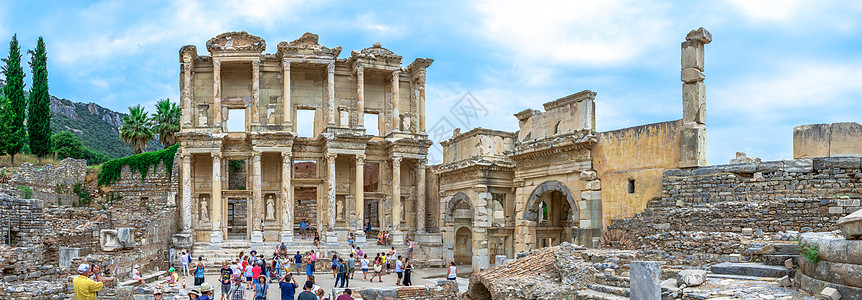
<point x="155" y="186"/>
<point x="68" y="173"/>
<point x="21" y="221"/>
<point x="444" y="290"/>
<point x="827" y="140"/>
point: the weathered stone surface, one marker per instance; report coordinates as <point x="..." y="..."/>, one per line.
<point x="830" y="293"/>
<point x="645" y="280"/>
<point x="835" y="248"/>
<point x="691" y="277"/>
<point x="840" y="273"/>
<point x="749" y="269"/>
<point x="66" y="256"/>
<point x="851" y="225"/>
<point x="815" y="285"/>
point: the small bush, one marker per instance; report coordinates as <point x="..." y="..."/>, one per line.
<point x="83" y="194"/>
<point x="810" y="252"/>
<point x="26" y="191"/>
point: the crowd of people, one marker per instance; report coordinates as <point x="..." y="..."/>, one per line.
<point x="248" y="276"/>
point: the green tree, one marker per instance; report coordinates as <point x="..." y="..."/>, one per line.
<point x="166" y="122"/>
<point x="136" y="129"/>
<point x="66" y="144"/>
<point x="14" y="102"/>
<point x="39" y="113"/>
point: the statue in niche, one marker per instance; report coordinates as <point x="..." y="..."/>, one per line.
<point x="204" y="210"/>
<point x="339" y="210"/>
<point x="270" y="207"/>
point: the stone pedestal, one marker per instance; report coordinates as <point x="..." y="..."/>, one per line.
<point x="851" y="225"/>
<point x="216" y="237"/>
<point x="182" y="240"/>
<point x="397" y="237"/>
<point x="499" y="259"/>
<point x="126" y="238"/>
<point x="330" y="237"/>
<point x="287" y="238"/>
<point x="360" y="237"/>
<point x="645" y="280"/>
<point x="66" y="256"/>
<point x="257" y="237"/>
<point x="108" y="240"/>
<point x="839" y="267"/>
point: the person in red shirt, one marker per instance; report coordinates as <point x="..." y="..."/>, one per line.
<point x="255" y="271"/>
<point x="345" y="295"/>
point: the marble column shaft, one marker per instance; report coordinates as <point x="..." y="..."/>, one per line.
<point x="286" y="193"/>
<point x="396" y="193"/>
<point x="286" y="109"/>
<point x="359" y="197"/>
<point x="420" y="195"/>
<point x="216" y="93"/>
<point x="360" y="96"/>
<point x="256" y="196"/>
<point x="188" y="89"/>
<point x="330" y="191"/>
<point x="330" y="94"/>
<point x="255" y="92"/>
<point x="216" y="215"/>
<point x="187" y="191"/>
<point x="396" y="102"/>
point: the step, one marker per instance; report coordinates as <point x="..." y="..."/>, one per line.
<point x="778" y="260"/>
<point x="609" y="289"/>
<point x="615" y="280"/>
<point x="148" y="278"/>
<point x="750" y="269"/>
<point x="739" y="277"/>
<point x="589" y="294"/>
<point x="773" y="249"/>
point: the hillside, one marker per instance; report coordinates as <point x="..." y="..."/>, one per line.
<point x="94" y="125"/>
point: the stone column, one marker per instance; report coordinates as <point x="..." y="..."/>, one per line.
<point x="396" y="116"/>
<point x="330" y="94"/>
<point x="359" y="198"/>
<point x="255" y="93"/>
<point x="286" y="109"/>
<point x="397" y="235"/>
<point x="187" y="192"/>
<point x="420" y="196"/>
<point x="188" y="89"/>
<point x="421" y="83"/>
<point x="330" y="191"/>
<point x="286" y="198"/>
<point x="693" y="135"/>
<point x="360" y="96"/>
<point x="645" y="280"/>
<point x="257" y="207"/>
<point x="217" y="93"/>
<point x="217" y="236"/>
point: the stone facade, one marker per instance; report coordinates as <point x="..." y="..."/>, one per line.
<point x="827" y="140"/>
<point x="241" y="104"/>
<point x="68" y="173"/>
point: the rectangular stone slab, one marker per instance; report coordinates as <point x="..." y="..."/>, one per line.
<point x="749" y="269"/>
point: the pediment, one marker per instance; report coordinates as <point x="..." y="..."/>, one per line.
<point x="236" y="41"/>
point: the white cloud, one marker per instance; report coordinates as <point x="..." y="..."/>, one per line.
<point x="768" y="10"/>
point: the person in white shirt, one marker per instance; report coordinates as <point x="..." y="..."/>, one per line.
<point x="185" y="259"/>
<point x="452" y="274"/>
<point x="363" y="264"/>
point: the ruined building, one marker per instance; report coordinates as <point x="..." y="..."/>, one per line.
<point x="557" y="179"/>
<point x="271" y="139"/>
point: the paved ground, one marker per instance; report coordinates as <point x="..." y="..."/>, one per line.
<point x="427" y="276"/>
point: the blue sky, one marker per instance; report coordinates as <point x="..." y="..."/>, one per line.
<point x="772" y="65"/>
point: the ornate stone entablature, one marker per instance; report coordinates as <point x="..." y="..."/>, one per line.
<point x="236" y="41"/>
<point x="307" y="47"/>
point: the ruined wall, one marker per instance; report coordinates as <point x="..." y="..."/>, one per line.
<point x="444" y="290"/>
<point x="567" y="114"/>
<point x="21" y="221"/>
<point x="69" y="172"/>
<point x="827" y="140"/>
<point x="637" y="153"/>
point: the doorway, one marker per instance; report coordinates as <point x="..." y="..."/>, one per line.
<point x="305" y="204"/>
<point x="237" y="218"/>
<point x="372" y="216"/>
<point x="463" y="246"/>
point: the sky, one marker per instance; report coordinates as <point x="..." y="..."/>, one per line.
<point x="772" y="65"/>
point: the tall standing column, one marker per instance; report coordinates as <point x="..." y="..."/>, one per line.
<point x="330" y="94"/>
<point x="257" y="206"/>
<point x="286" y="109"/>
<point x="330" y="191"/>
<point x="421" y="86"/>
<point x="693" y="134"/>
<point x="420" y="196"/>
<point x="396" y="103"/>
<point x="359" y="197"/>
<point x="187" y="192"/>
<point x="255" y="92"/>
<point x="397" y="235"/>
<point x="217" y="93"/>
<point x="286" y="198"/>
<point x="360" y="96"/>
<point x="188" y="61"/>
<point x="217" y="236"/>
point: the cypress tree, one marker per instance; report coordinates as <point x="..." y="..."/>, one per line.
<point x="15" y="103"/>
<point x="39" y="113"/>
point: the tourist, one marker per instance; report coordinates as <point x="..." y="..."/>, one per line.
<point x="351" y="265"/>
<point x="263" y="265"/>
<point x="358" y="252"/>
<point x="249" y="274"/>
<point x="261" y="230"/>
<point x="321" y="294"/>
<point x="194" y="294"/>
<point x="303" y="227"/>
<point x="452" y="273"/>
<point x="137" y="276"/>
<point x="384" y="261"/>
<point x="237" y="292"/>
<point x="342" y="273"/>
<point x="206" y="291"/>
<point x="306" y="292"/>
<point x="199" y="273"/>
<point x="408" y="268"/>
<point x="282" y="250"/>
<point x="410" y="248"/>
<point x="345" y="295"/>
<point x="297" y="259"/>
<point x="334" y="266"/>
<point x="350" y="238"/>
<point x="363" y="264"/>
<point x="173" y="277"/>
<point x="313" y="258"/>
<point x="157" y="294"/>
<point x="260" y="288"/>
<point x="185" y="260"/>
<point x="236" y="268"/>
<point x="391" y="261"/>
<point x="380" y="237"/>
<point x="224" y="279"/>
<point x="84" y="287"/>
<point x="309" y="266"/>
<point x="255" y="273"/>
<point x="288" y="287"/>
<point x="399" y="269"/>
<point x="317" y="239"/>
<point x="378" y="268"/>
<point x="406" y="239"/>
<point x="387" y="239"/>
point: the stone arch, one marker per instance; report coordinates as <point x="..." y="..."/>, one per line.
<point x="457" y="199"/>
<point x="532" y="208"/>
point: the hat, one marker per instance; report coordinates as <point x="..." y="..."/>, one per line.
<point x="157" y="292"/>
<point x="83" y="268"/>
<point x="171" y="269"/>
<point x="206" y="287"/>
<point x="194" y="292"/>
<point x="137" y="267"/>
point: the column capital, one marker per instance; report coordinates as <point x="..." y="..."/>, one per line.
<point x="285" y="65"/>
<point x="330" y="67"/>
<point x="255" y="63"/>
<point x="422" y="162"/>
<point x="359" y="158"/>
<point x="395" y="74"/>
<point x="330" y="157"/>
<point x="359" y="69"/>
<point x="216" y="155"/>
<point x="186" y="156"/>
<point x="216" y="62"/>
<point x="397" y="160"/>
<point x="286" y="155"/>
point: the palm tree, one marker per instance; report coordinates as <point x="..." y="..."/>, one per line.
<point x="166" y="122"/>
<point x="136" y="129"/>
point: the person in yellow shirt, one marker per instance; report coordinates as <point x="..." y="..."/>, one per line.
<point x="86" y="288"/>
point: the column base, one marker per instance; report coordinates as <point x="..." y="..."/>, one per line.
<point x="287" y="238"/>
<point x="257" y="237"/>
<point x="216" y="236"/>
<point x="360" y="237"/>
<point x="397" y="237"/>
<point x="182" y="240"/>
<point x="330" y="237"/>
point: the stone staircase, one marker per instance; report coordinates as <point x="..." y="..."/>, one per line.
<point x="606" y="287"/>
<point x="228" y="250"/>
